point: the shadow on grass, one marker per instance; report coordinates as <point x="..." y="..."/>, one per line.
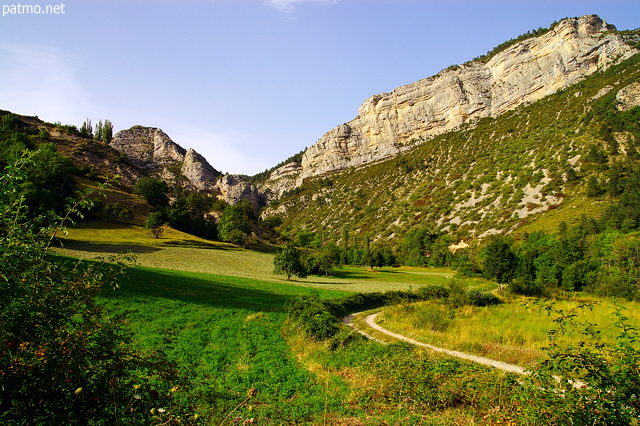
<point x="105" y="248"/>
<point x="359" y="275"/>
<point x="212" y="290"/>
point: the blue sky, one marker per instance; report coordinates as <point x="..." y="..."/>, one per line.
<point x="248" y="83"/>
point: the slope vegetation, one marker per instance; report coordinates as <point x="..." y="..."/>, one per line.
<point x="492" y="176"/>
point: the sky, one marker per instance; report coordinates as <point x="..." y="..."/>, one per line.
<point x="247" y="83"/>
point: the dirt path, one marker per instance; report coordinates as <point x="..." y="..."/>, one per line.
<point x="511" y="368"/>
<point x="370" y="320"/>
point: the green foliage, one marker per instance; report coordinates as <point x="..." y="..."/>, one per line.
<point x="234" y="225"/>
<point x="118" y="213"/>
<point x="153" y="190"/>
<point x="104" y="131"/>
<point x="64" y="359"/>
<point x="47" y="182"/>
<point x="608" y="372"/>
<point x="154" y="223"/>
<point x="312" y="314"/>
<point x="288" y="262"/>
<point x="86" y="130"/>
<point x="499" y="260"/>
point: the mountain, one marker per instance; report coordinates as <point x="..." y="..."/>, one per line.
<point x="390" y="123"/>
<point x="534" y="132"/>
<point x="153" y="150"/>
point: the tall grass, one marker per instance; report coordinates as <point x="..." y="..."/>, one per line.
<point x="514" y="332"/>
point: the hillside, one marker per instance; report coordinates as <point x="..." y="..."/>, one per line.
<point x="494" y="175"/>
<point x="516" y="73"/>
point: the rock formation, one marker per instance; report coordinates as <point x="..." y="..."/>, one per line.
<point x="151" y="149"/>
<point x="628" y="97"/>
<point x="281" y="180"/>
<point x="147" y="146"/>
<point x="527" y="71"/>
<point x="198" y="171"/>
<point x="235" y="188"/>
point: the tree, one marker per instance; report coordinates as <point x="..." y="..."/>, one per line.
<point x="288" y="262"/>
<point x="97" y="135"/>
<point x="153" y="190"/>
<point x="86" y="130"/>
<point x="117" y="212"/>
<point x="499" y="261"/>
<point x="64" y="360"/>
<point x="234" y="225"/>
<point x="154" y="223"/>
<point x="107" y="132"/>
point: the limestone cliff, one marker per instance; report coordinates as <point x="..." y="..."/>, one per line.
<point x="153" y="150"/>
<point x="235" y="188"/>
<point x="281" y="180"/>
<point x="527" y="71"/>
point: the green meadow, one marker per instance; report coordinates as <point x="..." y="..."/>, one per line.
<point x="218" y="315"/>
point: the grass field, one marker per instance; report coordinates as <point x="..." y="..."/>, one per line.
<point x="224" y="334"/>
<point x="229" y="337"/>
<point x="514" y="332"/>
<point x="225" y="259"/>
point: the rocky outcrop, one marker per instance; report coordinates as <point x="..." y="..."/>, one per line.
<point x="389" y="123"/>
<point x="147" y="146"/>
<point x="235" y="188"/>
<point x="281" y="180"/>
<point x="198" y="171"/>
<point x="153" y="150"/>
<point x="628" y="97"/>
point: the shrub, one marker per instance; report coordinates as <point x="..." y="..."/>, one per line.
<point x="609" y="372"/>
<point x="64" y="360"/>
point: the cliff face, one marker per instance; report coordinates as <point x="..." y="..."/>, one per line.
<point x="389" y="123"/>
<point x="153" y="150"/>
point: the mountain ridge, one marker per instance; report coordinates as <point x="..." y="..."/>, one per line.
<point x="393" y="122"/>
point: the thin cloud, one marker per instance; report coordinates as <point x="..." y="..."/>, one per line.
<point x="288" y="6"/>
<point x="43" y="81"/>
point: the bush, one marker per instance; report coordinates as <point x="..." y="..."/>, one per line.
<point x="481" y="298"/>
<point x="64" y="360"/>
<point x="314" y="316"/>
<point x="609" y="372"/>
<point x="433" y="317"/>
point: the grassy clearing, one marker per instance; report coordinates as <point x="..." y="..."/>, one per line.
<point x="514" y="332"/>
<point x="225" y="259"/>
<point x="224" y="334"/>
<point x="570" y="212"/>
<point x="400" y="384"/>
<point x="97" y="231"/>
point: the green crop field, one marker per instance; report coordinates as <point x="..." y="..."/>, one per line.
<point x="224" y="334"/>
